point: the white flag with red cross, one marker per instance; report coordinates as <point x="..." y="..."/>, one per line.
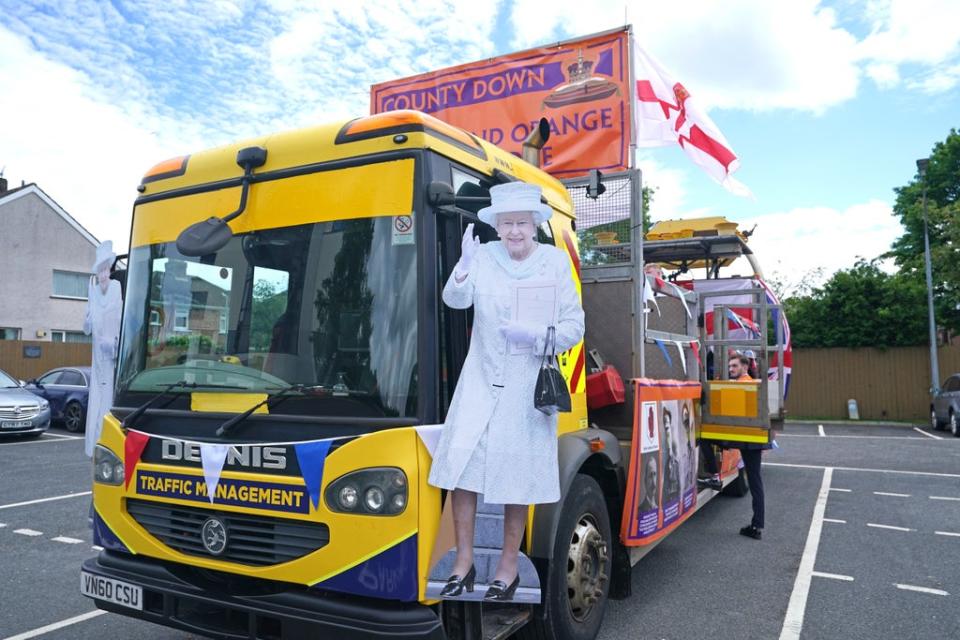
<point x="666" y="113"/>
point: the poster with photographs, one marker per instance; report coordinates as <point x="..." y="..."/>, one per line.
<point x="690" y="456"/>
<point x="661" y="488"/>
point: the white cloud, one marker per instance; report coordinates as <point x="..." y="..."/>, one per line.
<point x="794" y="243"/>
<point x="748" y="54"/>
<point x="761" y="55"/>
<point x="59" y="132"/>
<point x="885" y="74"/>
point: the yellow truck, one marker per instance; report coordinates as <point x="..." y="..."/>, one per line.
<point x="263" y="471"/>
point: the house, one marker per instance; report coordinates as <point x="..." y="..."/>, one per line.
<point x="45" y="260"/>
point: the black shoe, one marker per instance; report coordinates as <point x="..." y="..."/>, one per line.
<point x="500" y="592"/>
<point x="455" y="584"/>
<point x="752" y="532"/>
<point x="712" y="482"/>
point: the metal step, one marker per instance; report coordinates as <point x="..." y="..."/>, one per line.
<point x="477" y="621"/>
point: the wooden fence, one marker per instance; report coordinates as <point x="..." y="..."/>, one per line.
<point x="25" y="359"/>
<point x="890" y="384"/>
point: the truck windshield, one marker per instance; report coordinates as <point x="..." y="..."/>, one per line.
<point x="330" y="305"/>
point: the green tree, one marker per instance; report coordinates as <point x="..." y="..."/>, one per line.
<point x="943" y="211"/>
<point x="268" y="305"/>
<point x="860" y="307"/>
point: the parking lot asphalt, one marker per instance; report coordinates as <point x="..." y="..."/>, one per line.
<point x="883" y="501"/>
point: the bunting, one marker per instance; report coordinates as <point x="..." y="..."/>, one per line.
<point x="312" y="456"/>
<point x="663" y="350"/>
<point x="683" y="356"/>
<point x="212" y="457"/>
<point x="648" y="295"/>
<point x="133" y="448"/>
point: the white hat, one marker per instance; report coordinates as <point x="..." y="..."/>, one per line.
<point x="104" y="253"/>
<point x="515" y="197"/>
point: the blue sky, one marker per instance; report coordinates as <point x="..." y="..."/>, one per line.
<point x="828" y="104"/>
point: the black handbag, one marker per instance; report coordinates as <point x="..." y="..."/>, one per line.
<point x="551" y="394"/>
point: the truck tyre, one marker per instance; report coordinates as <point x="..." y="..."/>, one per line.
<point x="739" y="487"/>
<point x="575" y="596"/>
<point x="73" y="417"/>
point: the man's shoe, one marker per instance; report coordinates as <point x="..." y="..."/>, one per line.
<point x="752" y="532"/>
<point x="713" y="482"/>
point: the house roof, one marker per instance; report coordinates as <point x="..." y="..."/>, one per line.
<point x="19" y="192"/>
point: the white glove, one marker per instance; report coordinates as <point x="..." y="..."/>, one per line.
<point x="468" y="249"/>
<point x="520" y="333"/>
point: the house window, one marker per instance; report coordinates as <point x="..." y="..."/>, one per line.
<point x="9" y="333"/>
<point x="70" y="284"/>
<point x="181" y="319"/>
<point x="223" y="322"/>
<point x="154" y="318"/>
<point x="70" y="336"/>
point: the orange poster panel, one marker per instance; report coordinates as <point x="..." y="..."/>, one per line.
<point x="662" y="478"/>
<point x="581" y="87"/>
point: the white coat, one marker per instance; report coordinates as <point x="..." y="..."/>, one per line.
<point x="494" y="441"/>
<point x="103" y="321"/>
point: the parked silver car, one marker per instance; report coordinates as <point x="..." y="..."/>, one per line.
<point x="945" y="408"/>
<point x="21" y="412"/>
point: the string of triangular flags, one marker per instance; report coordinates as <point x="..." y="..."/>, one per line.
<point x="648" y="295"/>
<point x="311" y="456"/>
<point x="746" y="324"/>
<point x="680" y="344"/>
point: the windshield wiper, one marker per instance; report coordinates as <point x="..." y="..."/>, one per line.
<point x="139" y="411"/>
<point x="270" y="401"/>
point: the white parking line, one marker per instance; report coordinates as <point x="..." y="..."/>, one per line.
<point x="910" y="587"/>
<point x="832" y="576"/>
<point x="947" y="533"/>
<point x="28" y="532"/>
<point x="97" y="547"/>
<point x="811" y="435"/>
<point x="835" y="521"/>
<point x="793" y="621"/>
<point x="929" y="435"/>
<point x="37" y="440"/>
<point x="56" y="625"/>
<point x="841" y="490"/>
<point x="894" y="495"/>
<point x="945" y="498"/>
<point x="67" y="540"/>
<point x="60" y="435"/>
<point x="2" y="525"/>
<point x="820" y="466"/>
<point x="820" y="429"/>
<point x="887" y="526"/>
<point x="63" y="497"/>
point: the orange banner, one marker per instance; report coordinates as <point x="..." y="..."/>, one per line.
<point x="581" y="87"/>
<point x="662" y="478"/>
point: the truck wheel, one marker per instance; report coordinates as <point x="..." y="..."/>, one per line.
<point x="575" y="595"/>
<point x="934" y="422"/>
<point x="73" y="417"/>
<point x="739" y="487"/>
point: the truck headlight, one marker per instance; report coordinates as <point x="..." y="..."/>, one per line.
<point x="107" y="467"/>
<point x="379" y="491"/>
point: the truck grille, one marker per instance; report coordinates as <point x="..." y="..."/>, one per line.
<point x="252" y="540"/>
<point x="21" y="412"/>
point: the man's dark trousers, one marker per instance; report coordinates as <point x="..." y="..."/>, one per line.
<point x="751" y="462"/>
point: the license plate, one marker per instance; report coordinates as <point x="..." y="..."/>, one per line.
<point x="15" y="424"/>
<point x="115" y="591"/>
